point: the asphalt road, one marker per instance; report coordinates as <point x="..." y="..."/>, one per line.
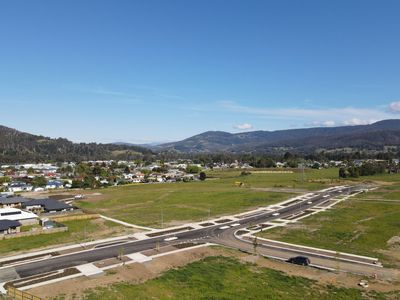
<point x="208" y="234"/>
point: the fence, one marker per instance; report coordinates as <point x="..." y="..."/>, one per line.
<point x="60" y="213"/>
<point x="75" y="217"/>
<point x="16" y="294"/>
<point x="33" y="232"/>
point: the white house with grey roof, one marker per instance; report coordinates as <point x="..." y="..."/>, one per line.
<point x="15" y="214"/>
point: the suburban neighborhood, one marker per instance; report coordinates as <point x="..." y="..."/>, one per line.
<point x="200" y="150"/>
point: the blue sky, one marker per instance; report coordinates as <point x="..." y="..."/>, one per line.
<point x="142" y="71"/>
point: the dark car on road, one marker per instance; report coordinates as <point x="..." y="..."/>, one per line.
<point x="299" y="260"/>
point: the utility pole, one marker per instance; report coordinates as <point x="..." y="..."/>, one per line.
<point x="158" y="246"/>
<point x="121" y="253"/>
<point x="162" y="218"/>
<point x="255" y="245"/>
<point x="84" y="233"/>
<point x="301" y="166"/>
<point x="337" y="261"/>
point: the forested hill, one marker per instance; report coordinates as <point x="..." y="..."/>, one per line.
<point x="305" y="140"/>
<point x="16" y="146"/>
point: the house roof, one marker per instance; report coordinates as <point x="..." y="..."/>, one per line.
<point x="15" y="214"/>
<point x="48" y="204"/>
<point x="17" y="184"/>
<point x="12" y="200"/>
<point x="6" y="224"/>
<point x="54" y="182"/>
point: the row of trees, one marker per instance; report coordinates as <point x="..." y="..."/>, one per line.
<point x="265" y="160"/>
<point x="366" y="169"/>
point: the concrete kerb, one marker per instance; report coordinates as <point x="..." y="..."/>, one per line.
<point x="158" y="230"/>
<point x="252" y="232"/>
<point x="319" y="249"/>
<point x="48" y="251"/>
<point x="316" y="249"/>
<point x="141" y="236"/>
<point x="132" y="261"/>
<point x="2" y="289"/>
<point x="27" y="287"/>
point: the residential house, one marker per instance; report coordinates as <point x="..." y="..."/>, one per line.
<point x="47" y="206"/>
<point x="12" y="201"/>
<point x="54" y="184"/>
<point x="9" y="227"/>
<point x="15" y="214"/>
<point x="19" y="187"/>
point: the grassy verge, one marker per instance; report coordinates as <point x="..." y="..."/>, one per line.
<point x="226" y="278"/>
<point x="78" y="231"/>
<point x="220" y="194"/>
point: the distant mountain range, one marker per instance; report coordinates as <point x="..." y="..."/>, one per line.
<point x="17" y="146"/>
<point x="374" y="136"/>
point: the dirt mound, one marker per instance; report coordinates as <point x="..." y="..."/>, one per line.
<point x="394" y="242"/>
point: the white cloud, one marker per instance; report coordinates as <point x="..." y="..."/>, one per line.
<point x="356" y="121"/>
<point x="329" y="123"/>
<point x="395" y="107"/>
<point x="323" y="116"/>
<point x="244" y="126"/>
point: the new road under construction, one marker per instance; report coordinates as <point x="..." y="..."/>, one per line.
<point x="236" y="231"/>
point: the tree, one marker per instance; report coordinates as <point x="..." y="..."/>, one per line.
<point x="39" y="181"/>
<point x="127" y="170"/>
<point x="90" y="182"/>
<point x="202" y="176"/>
<point x="342" y="173"/>
<point x="77" y="184"/>
<point x="354" y="172"/>
<point x="192" y="169"/>
<point x="5" y="179"/>
<point x="288" y="156"/>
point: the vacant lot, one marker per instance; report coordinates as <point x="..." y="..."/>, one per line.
<point x="311" y="180"/>
<point x="220" y="277"/>
<point x="368" y="224"/>
<point x="78" y="231"/>
<point x="143" y="204"/>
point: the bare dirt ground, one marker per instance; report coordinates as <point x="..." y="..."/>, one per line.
<point x="137" y="273"/>
<point x="64" y="194"/>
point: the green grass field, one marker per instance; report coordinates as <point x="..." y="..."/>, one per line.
<point x="313" y="179"/>
<point x="226" y="278"/>
<point x="142" y="204"/>
<point x="362" y="225"/>
<point x="78" y="231"/>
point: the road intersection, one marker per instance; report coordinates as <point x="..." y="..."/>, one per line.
<point x="223" y="232"/>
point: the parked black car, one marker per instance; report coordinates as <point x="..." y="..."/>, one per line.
<point x="299" y="260"/>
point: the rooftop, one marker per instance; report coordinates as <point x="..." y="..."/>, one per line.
<point x="6" y="224"/>
<point x="15" y="214"/>
<point x="12" y="200"/>
<point x="48" y="204"/>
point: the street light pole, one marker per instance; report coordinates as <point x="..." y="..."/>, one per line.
<point x="162" y="218"/>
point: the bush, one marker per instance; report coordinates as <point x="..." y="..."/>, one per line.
<point x="202" y="176"/>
